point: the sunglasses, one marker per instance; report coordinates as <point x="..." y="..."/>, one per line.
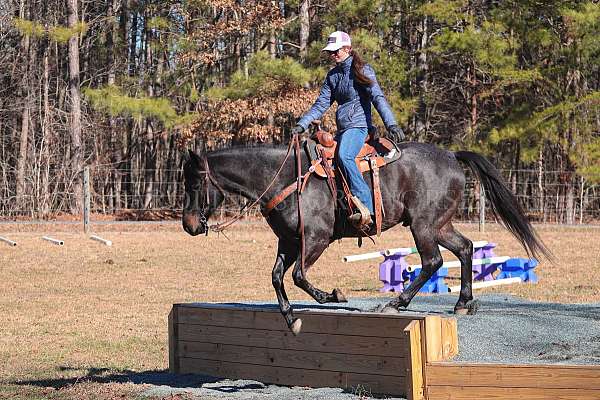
<point x="332" y="52"/>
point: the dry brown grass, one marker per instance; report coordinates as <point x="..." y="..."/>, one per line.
<point x="85" y="309"/>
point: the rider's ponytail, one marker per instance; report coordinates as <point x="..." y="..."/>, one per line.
<point x="357" y="66"/>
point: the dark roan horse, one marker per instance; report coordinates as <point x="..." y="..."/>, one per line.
<point x="421" y="190"/>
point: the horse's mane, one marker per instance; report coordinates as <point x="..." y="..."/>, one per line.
<point x="255" y="146"/>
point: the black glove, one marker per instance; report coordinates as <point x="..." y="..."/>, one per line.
<point x="395" y="134"/>
<point x="298" y="129"/>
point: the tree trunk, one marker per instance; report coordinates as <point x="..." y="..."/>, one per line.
<point x="25" y="114"/>
<point x="422" y="84"/>
<point x="46" y="141"/>
<point x="76" y="143"/>
<point x="570" y="199"/>
<point x="150" y="142"/>
<point x="114" y="202"/>
<point x="541" y="204"/>
<point x="304" y="28"/>
<point x="23" y="144"/>
<point x="473" y="122"/>
<point x="515" y="168"/>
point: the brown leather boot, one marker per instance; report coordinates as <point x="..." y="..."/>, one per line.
<point x="361" y="218"/>
<point x="356" y="220"/>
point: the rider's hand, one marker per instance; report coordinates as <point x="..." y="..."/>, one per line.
<point x="395" y="134"/>
<point x="374" y="133"/>
<point x="296" y="130"/>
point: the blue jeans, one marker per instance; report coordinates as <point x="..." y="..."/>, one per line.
<point x="349" y="144"/>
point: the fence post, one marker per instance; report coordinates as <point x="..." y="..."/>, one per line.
<point x="481" y="208"/>
<point x="86" y="199"/>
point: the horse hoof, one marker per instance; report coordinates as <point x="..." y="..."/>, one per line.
<point x="390" y="310"/>
<point x="461" y="311"/>
<point x="296" y="327"/>
<point x="468" y="309"/>
<point x="339" y="296"/>
<point x="377" y="309"/>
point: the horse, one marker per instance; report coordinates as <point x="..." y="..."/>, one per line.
<point x="422" y="190"/>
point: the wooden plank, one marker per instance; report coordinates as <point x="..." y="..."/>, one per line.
<point x="449" y="338"/>
<point x="325" y="343"/>
<point x="173" y="341"/>
<point x="364" y="324"/>
<point x="388" y="366"/>
<point x="365" y="383"/>
<point x="514" y="376"/>
<point x="478" y="393"/>
<point x="433" y="338"/>
<point x="414" y="367"/>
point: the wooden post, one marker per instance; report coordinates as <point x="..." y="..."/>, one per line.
<point x="86" y="199"/>
<point x="173" y="339"/>
<point x="414" y="370"/>
<point x="481" y="208"/>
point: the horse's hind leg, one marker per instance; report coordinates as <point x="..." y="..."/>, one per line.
<point x="431" y="260"/>
<point x="462" y="248"/>
<point x="286" y="255"/>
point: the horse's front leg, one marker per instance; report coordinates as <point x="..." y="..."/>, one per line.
<point x="286" y="255"/>
<point x="314" y="249"/>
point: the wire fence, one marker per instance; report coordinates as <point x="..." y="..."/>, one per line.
<point x="138" y="194"/>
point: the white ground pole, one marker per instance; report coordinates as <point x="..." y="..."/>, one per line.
<point x="52" y="240"/>
<point x="8" y="241"/>
<point x="456" y="264"/>
<point x="365" y="256"/>
<point x="99" y="239"/>
<point x="484" y="284"/>
<point x="403" y="250"/>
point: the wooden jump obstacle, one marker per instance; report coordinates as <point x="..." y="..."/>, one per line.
<point x="395" y="354"/>
<point x="380" y="353"/>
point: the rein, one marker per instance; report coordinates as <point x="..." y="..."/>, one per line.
<point x="223" y="225"/>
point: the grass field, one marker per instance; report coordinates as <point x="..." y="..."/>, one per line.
<point x="80" y="318"/>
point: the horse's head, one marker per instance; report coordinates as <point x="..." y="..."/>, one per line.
<point x="202" y="195"/>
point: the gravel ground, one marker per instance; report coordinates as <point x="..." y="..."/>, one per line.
<point x="506" y="330"/>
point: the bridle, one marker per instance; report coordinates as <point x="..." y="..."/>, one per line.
<point x="209" y="178"/>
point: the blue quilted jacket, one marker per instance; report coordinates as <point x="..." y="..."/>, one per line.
<point x="354" y="100"/>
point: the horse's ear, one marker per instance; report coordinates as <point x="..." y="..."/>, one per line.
<point x="185" y="156"/>
<point x="195" y="158"/>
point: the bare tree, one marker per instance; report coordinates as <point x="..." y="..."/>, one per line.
<point x="75" y="122"/>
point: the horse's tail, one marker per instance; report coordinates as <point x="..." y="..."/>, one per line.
<point x="504" y="204"/>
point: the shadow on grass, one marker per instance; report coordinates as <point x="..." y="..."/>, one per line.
<point x="166" y="384"/>
<point x="156" y="378"/>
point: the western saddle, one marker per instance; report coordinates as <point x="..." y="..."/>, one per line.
<point x="320" y="146"/>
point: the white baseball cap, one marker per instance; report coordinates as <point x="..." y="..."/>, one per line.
<point x="337" y="40"/>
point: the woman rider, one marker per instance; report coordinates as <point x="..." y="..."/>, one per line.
<point x="352" y="84"/>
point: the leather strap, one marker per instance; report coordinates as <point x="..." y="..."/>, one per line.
<point x="281" y="196"/>
<point x="347" y="192"/>
<point x="299" y="196"/>
<point x="285" y="193"/>
<point x="376" y="195"/>
<point x="330" y="176"/>
<point x="222" y="226"/>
